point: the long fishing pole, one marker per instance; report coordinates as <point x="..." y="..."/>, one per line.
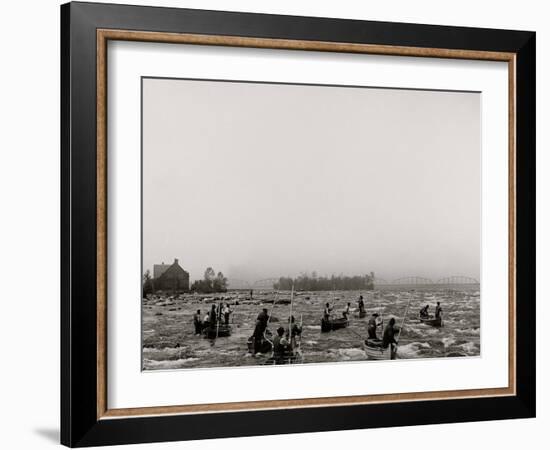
<point x="403" y="324"/>
<point x="356" y="333"/>
<point x="218" y="321"/>
<point x="269" y="317"/>
<point x="334" y="300"/>
<point x="290" y="317"/>
<point x="301" y="331"/>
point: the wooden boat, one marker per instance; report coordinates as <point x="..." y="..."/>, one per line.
<point x="283" y="301"/>
<point x="288" y="358"/>
<point x="291" y="356"/>
<point x="374" y="350"/>
<point x="217" y="331"/>
<point x="432" y="321"/>
<point x="333" y="324"/>
<point x="265" y="346"/>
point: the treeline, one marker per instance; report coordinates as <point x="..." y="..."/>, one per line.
<point x="306" y="282"/>
<point x="211" y="283"/>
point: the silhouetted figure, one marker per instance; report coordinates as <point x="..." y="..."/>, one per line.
<point x="438" y="310"/>
<point x="424" y="313"/>
<point x="197" y="322"/>
<point x="361" y="304"/>
<point x="372" y="326"/>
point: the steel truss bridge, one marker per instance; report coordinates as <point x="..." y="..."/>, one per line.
<point x="422" y="281"/>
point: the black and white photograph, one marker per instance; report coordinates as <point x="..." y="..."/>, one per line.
<point x="296" y="224"/>
<point x="277" y="224"/>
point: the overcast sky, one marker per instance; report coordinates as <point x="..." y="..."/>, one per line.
<point x="264" y="180"/>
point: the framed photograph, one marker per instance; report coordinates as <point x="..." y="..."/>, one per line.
<point x="276" y="224"/>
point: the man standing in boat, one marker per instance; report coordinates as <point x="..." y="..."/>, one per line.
<point x="262" y="319"/>
<point x="345" y="313"/>
<point x="259" y="329"/>
<point x="226" y="311"/>
<point x="206" y="321"/>
<point x="361" y="305"/>
<point x="327" y="312"/>
<point x="213" y="319"/>
<point x="197" y="322"/>
<point x="295" y="330"/>
<point x="280" y="346"/>
<point x="438" y="310"/>
<point x="372" y="326"/>
<point x="388" y="340"/>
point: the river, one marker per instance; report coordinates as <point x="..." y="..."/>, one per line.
<point x="168" y="340"/>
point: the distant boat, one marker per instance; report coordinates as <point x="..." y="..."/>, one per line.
<point x="333" y="324"/>
<point x="361" y="314"/>
<point x="432" y="321"/>
<point x="217" y="331"/>
<point x="283" y="301"/>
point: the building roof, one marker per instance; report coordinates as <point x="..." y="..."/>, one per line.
<point x="159" y="269"/>
<point x="168" y="269"/>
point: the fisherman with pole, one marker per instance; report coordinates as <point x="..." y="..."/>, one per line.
<point x="424" y="313"/>
<point x="294" y="330"/>
<point x="212" y="319"/>
<point x="361" y="305"/>
<point x="280" y="346"/>
<point x="388" y="339"/>
<point x="390" y="333"/>
<point x="218" y="320"/>
<point x="197" y="322"/>
<point x="345" y="313"/>
<point x="327" y="312"/>
<point x="373" y="325"/>
<point x="438" y="310"/>
<point x="206" y="320"/>
<point x="261" y="325"/>
<point x="226" y="311"/>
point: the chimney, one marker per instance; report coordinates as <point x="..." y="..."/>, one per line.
<point x="175" y="260"/>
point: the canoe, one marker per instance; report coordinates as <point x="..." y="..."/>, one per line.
<point x="333" y="324"/>
<point x="264" y="347"/>
<point x="374" y="350"/>
<point x="288" y="358"/>
<point x="214" y="332"/>
<point x="432" y="321"/>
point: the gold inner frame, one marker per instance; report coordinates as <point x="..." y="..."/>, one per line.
<point x="104" y="35"/>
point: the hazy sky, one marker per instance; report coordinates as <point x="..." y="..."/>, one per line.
<point x="263" y="180"/>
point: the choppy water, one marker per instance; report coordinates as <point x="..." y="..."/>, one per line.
<point x="169" y="341"/>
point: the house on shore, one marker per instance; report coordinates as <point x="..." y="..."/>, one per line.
<point x="170" y="277"/>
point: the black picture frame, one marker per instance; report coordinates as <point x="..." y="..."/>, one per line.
<point x="80" y="425"/>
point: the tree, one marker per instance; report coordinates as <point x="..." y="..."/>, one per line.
<point x="146" y="276"/>
<point x="147" y="283"/>
<point x="220" y="283"/>
<point x="341" y="282"/>
<point x="211" y="282"/>
<point x="209" y="274"/>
